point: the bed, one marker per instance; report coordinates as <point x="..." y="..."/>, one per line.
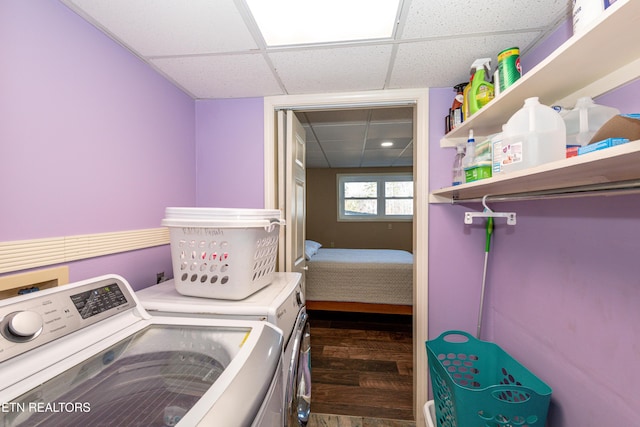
<point x="361" y="280"/>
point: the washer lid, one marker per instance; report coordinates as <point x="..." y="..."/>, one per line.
<point x="158" y="375"/>
<point x="165" y="298"/>
<point x="99" y="355"/>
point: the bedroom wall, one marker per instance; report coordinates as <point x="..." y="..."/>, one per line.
<point x="92" y="140"/>
<point x="324" y="227"/>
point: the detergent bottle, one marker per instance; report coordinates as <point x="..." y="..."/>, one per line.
<point x="481" y="89"/>
<point x="465" y="101"/>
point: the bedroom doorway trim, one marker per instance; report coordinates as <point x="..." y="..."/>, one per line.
<point x="384" y="98"/>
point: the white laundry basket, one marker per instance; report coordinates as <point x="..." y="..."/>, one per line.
<point x="222" y="253"/>
<point x="430" y="413"/>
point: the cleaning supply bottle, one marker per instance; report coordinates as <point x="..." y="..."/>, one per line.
<point x="585" y="119"/>
<point x="469" y="156"/>
<point x="534" y="135"/>
<point x="465" y="101"/>
<point x="458" y="169"/>
<point x="457" y="116"/>
<point x="482" y="90"/>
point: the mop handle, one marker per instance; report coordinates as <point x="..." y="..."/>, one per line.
<point x="487" y="247"/>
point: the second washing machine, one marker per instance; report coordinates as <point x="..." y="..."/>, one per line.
<point x="282" y="303"/>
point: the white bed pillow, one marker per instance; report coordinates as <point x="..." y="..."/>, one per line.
<point x="311" y="248"/>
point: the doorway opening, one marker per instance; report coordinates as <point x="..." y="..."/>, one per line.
<point x="388" y="98"/>
<point x="359" y="282"/>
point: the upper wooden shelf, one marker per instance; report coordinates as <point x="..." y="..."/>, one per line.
<point x="615" y="164"/>
<point x="604" y="56"/>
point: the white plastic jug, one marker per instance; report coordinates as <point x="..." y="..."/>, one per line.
<point x="534" y="135"/>
<point x="585" y="119"/>
<point x="585" y="12"/>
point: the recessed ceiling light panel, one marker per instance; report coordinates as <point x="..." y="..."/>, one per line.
<point x="296" y="22"/>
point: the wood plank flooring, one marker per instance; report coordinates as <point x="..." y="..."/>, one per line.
<point x="362" y="365"/>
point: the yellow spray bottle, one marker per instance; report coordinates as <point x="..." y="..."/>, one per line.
<point x="481" y="89"/>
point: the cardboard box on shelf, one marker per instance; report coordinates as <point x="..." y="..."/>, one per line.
<point x="621" y="126"/>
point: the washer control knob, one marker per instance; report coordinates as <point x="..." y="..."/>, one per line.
<point x="24" y="325"/>
<point x="299" y="298"/>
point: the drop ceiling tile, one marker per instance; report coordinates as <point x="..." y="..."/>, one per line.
<point x="316" y="160"/>
<point x="387" y="115"/>
<point x="335" y="116"/>
<point x="343" y="159"/>
<point x="438" y="18"/>
<point x="398" y="144"/>
<point x="221" y="76"/>
<point x="311" y="145"/>
<point x="403" y="161"/>
<point x="390" y="130"/>
<point x="449" y="61"/>
<point x="332" y="69"/>
<point x="344" y="144"/>
<point x="339" y="132"/>
<point x="373" y="158"/>
<point x="310" y="136"/>
<point x="171" y="27"/>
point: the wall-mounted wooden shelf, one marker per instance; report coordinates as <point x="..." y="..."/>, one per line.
<point x="612" y="165"/>
<point x="601" y="58"/>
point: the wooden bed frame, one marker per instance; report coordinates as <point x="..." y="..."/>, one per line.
<point x="359" y="307"/>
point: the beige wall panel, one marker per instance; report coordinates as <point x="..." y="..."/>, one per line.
<point x="322" y="216"/>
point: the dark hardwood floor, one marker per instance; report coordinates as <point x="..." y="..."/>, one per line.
<point x="362" y="364"/>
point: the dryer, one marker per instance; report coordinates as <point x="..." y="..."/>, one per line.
<point x="281" y="303"/>
<point x="89" y="354"/>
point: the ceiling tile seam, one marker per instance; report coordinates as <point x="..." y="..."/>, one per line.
<point x="250" y="23"/>
<point x="401" y="18"/>
<point x="390" y="66"/>
<point x="328" y="46"/>
<point x="473" y="35"/>
<point x="317" y="139"/>
<point x="172" y="80"/>
<point x="410" y="144"/>
<point x="366" y="137"/>
<point x="402" y="21"/>
<point x="207" y="54"/>
<point x="274" y="72"/>
<point x="546" y="32"/>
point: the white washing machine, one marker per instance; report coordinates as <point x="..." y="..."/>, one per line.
<point x="88" y="354"/>
<point x="281" y="303"/>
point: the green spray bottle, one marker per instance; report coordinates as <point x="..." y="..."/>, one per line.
<point x="481" y="89"/>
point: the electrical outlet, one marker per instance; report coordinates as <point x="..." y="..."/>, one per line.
<point x="160" y="277"/>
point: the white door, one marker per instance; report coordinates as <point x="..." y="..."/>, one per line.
<point x="295" y="189"/>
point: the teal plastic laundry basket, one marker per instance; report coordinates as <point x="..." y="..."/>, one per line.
<point x="477" y="384"/>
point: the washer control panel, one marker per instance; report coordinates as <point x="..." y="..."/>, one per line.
<point x="31" y="320"/>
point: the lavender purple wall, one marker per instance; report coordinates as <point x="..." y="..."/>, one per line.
<point x="230" y="153"/>
<point x="455" y="250"/>
<point x="563" y="286"/>
<point x="91" y="139"/>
